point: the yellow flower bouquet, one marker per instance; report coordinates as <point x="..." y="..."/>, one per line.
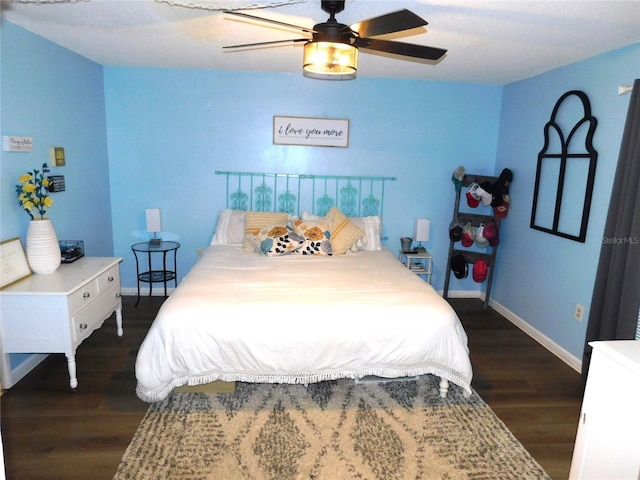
<point x="33" y="192"/>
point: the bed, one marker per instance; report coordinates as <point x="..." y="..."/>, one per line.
<point x="256" y="308"/>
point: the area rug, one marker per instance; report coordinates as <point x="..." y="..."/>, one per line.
<point x="326" y="431"/>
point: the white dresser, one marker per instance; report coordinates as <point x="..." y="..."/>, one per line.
<point x="608" y="442"/>
<point x="54" y="313"/>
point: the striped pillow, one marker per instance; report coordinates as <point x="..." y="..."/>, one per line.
<point x="344" y="233"/>
<point x="254" y="221"/>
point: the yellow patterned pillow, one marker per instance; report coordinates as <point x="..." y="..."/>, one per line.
<point x="344" y="232"/>
<point x="277" y="240"/>
<point x="316" y="235"/>
<point x="254" y="221"/>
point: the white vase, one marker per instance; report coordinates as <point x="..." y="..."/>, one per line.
<point x="43" y="251"/>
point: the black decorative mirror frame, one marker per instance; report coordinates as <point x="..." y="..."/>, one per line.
<point x="565" y="172"/>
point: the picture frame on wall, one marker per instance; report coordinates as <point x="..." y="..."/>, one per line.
<point x="308" y="131"/>
<point x="13" y="262"/>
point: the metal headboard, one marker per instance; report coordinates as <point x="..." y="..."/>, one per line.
<point x="355" y="196"/>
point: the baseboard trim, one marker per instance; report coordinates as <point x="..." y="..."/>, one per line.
<point x="144" y="292"/>
<point x="538" y="336"/>
<point x="463" y="294"/>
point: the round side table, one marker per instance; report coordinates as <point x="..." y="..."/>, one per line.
<point x="152" y="276"/>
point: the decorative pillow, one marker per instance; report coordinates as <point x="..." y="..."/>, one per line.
<point x="317" y="238"/>
<point x="372" y="227"/>
<point x="230" y="228"/>
<point x="276" y="240"/>
<point x="254" y="221"/>
<point x="344" y="233"/>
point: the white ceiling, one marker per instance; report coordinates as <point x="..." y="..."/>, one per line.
<point x="492" y="42"/>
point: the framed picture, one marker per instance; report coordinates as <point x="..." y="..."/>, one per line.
<point x="13" y="262"/>
<point x="317" y="132"/>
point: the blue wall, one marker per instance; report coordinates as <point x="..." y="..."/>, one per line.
<point x="542" y="277"/>
<point x="57" y="98"/>
<point x="167" y="131"/>
<point x="170" y="130"/>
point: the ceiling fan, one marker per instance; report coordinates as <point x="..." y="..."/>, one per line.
<point x="332" y="51"/>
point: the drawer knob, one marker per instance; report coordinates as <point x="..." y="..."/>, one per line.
<point x="86" y="295"/>
<point x="83" y="326"/>
<point x="110" y="279"/>
<point x="118" y="295"/>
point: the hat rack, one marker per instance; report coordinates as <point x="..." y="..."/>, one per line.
<point x="473" y="253"/>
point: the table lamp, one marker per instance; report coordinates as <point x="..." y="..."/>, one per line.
<point x="421" y="233"/>
<point x="154" y="225"/>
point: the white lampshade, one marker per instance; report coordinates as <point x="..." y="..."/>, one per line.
<point x="153" y="220"/>
<point x="421" y="230"/>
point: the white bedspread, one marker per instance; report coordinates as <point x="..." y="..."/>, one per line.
<point x="239" y="316"/>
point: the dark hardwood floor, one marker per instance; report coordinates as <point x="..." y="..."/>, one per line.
<point x="52" y="433"/>
<point x="532" y="391"/>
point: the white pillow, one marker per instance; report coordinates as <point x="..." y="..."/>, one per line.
<point x="230" y="228"/>
<point x="309" y="216"/>
<point x="372" y="227"/>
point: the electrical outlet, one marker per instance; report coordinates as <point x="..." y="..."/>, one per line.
<point x="579" y="312"/>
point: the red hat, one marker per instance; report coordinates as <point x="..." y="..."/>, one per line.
<point x="473" y="199"/>
<point x="468" y="235"/>
<point x="501" y="211"/>
<point x="491" y="233"/>
<point x="480" y="268"/>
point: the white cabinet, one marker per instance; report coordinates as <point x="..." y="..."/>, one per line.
<point x="54" y="313"/>
<point x="608" y="442"/>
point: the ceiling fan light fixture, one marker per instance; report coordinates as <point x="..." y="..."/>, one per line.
<point x="330" y="61"/>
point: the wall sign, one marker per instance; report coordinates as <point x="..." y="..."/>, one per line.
<point x="57" y="156"/>
<point x="319" y="132"/>
<point x="56" y="183"/>
<point x="11" y="143"/>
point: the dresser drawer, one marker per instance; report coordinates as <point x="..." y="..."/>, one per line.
<point x="93" y="315"/>
<point x="109" y="279"/>
<point x="83" y="296"/>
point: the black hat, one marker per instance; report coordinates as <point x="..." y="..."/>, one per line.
<point x="504" y="180"/>
<point x="506" y="177"/>
<point x="501" y="187"/>
<point x="459" y="266"/>
<point x="455" y="232"/>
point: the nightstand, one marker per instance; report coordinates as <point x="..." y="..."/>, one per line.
<point x="418" y="263"/>
<point x="152" y="276"/>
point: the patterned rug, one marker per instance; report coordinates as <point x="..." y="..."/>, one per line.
<point x="331" y="430"/>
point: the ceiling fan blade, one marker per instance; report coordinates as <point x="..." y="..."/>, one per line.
<point x="400" y="48"/>
<point x="388" y="23"/>
<point x="268" y="20"/>
<point x="273" y="42"/>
